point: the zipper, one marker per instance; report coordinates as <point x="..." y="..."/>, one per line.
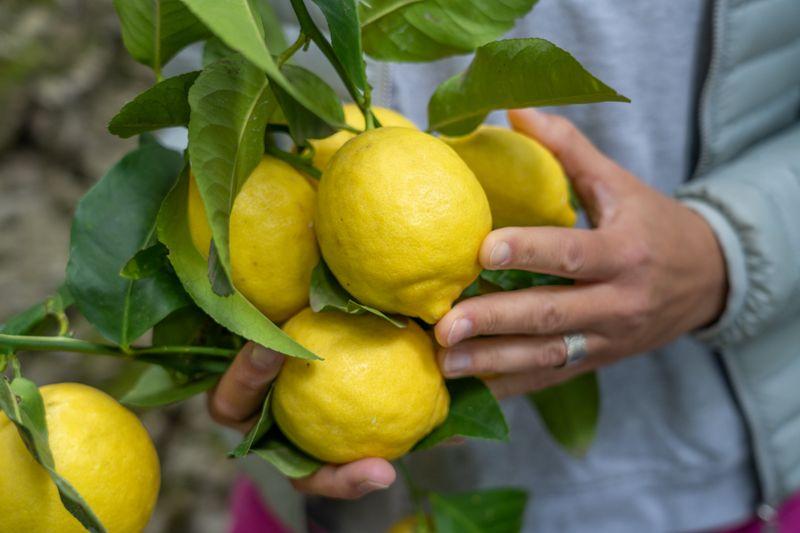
<point x="704" y="160"/>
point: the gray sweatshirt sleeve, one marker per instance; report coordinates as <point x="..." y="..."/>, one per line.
<point x="753" y="205"/>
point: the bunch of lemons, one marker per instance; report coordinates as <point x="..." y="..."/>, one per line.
<point x="399" y="217"/>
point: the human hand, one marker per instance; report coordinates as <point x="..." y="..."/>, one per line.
<point x="650" y="271"/>
<point x="236" y="402"/>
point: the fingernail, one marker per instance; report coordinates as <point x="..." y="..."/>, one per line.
<point x="263" y="358"/>
<point x="460" y="329"/>
<point x="365" y="487"/>
<point x="500" y="254"/>
<point x="455" y="362"/>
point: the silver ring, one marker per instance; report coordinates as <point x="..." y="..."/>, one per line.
<point x="575" y="344"/>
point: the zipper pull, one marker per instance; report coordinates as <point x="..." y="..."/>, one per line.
<point x="769" y="518"/>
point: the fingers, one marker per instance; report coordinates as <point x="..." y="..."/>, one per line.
<point x="571" y="253"/>
<point x="536" y="311"/>
<point x="508" y="354"/>
<point x="349" y="481"/>
<point x="241" y="391"/>
<point x="531" y="381"/>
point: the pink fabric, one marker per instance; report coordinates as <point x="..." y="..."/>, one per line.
<point x="788" y="519"/>
<point x="249" y="513"/>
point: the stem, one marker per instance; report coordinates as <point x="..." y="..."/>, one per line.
<point x="300" y="42"/>
<point x="68" y="344"/>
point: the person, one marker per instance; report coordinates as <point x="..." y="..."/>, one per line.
<point x="687" y="300"/>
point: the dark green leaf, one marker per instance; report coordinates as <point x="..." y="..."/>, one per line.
<point x="230" y="107"/>
<point x="23" y="405"/>
<point x="273" y="29"/>
<point x="300" y="163"/>
<point x="113" y="221"/>
<point x="214" y="50"/>
<point x="511" y="74"/>
<point x="571" y="411"/>
<point x="146" y="263"/>
<point x="258" y="431"/>
<point x="163" y="105"/>
<point x="217" y="276"/>
<point x="303" y="124"/>
<point x="146" y="138"/>
<point x="156" y="386"/>
<point x="285" y="456"/>
<point x="326" y="294"/>
<point x="237" y="23"/>
<point x="474" y="412"/>
<point x="233" y="312"/>
<point x="32" y="319"/>
<point x="345" y="30"/>
<point x="155" y="30"/>
<point x="190" y="326"/>
<point x="511" y="280"/>
<point x="484" y="511"/>
<point x="431" y="29"/>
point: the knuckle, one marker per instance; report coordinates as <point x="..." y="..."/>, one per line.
<point x="487" y="361"/>
<point x="490" y="318"/>
<point x="550" y="319"/>
<point x="637" y="254"/>
<point x="573" y="256"/>
<point x="553" y="353"/>
<point x="564" y="129"/>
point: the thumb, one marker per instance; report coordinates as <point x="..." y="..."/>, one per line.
<point x="596" y="178"/>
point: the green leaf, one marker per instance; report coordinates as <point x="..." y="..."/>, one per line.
<point x="326" y="294"/>
<point x="258" y="431"/>
<point x="230" y="105"/>
<point x="233" y="312"/>
<point x="273" y="29"/>
<point x="303" y="124"/>
<point x="157" y="386"/>
<point x="214" y="50"/>
<point x="154" y="31"/>
<point x="113" y="221"/>
<point x="220" y="283"/>
<point x="237" y="23"/>
<point x="431" y="29"/>
<point x="23" y="405"/>
<point x="163" y="105"/>
<point x="511" y="280"/>
<point x="345" y="30"/>
<point x="290" y="461"/>
<point x="302" y="164"/>
<point x="146" y="263"/>
<point x="571" y="411"/>
<point x="474" y="412"/>
<point x="511" y="74"/>
<point x="35" y="317"/>
<point x="485" y="511"/>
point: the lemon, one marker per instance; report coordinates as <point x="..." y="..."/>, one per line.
<point x="272" y="245"/>
<point x="325" y="148"/>
<point x="376" y="393"/>
<point x="524" y="182"/>
<point x="99" y="447"/>
<point x="411" y="524"/>
<point x="400" y="221"/>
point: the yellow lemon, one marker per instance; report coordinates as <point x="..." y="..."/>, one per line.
<point x="272" y="245"/>
<point x="411" y="524"/>
<point x="325" y="148"/>
<point x="524" y="182"/>
<point x="99" y="447"/>
<point x="400" y="221"/>
<point x="376" y="393"/>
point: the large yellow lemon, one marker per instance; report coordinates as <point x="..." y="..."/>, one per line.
<point x="99" y="447"/>
<point x="272" y="245"/>
<point x="400" y="221"/>
<point x="525" y="184"/>
<point x="325" y="148"/>
<point x="376" y="393"/>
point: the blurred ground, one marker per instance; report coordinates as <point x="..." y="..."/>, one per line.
<point x="63" y="75"/>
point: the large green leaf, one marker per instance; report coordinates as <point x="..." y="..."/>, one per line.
<point x="154" y="31"/>
<point x="157" y="386"/>
<point x="425" y="30"/>
<point x="273" y="29"/>
<point x="474" y="412"/>
<point x="345" y="30"/>
<point x="230" y="106"/>
<point x="326" y="294"/>
<point x="511" y="280"/>
<point x="290" y="461"/>
<point x="37" y="316"/>
<point x="238" y="24"/>
<point x="511" y="74"/>
<point x="113" y="221"/>
<point x="234" y="312"/>
<point x="163" y="105"/>
<point x="303" y="124"/>
<point x="259" y="429"/>
<point x="571" y="411"/>
<point x="485" y="511"/>
<point x="23" y="405"/>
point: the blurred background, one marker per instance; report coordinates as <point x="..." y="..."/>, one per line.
<point x="63" y="74"/>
